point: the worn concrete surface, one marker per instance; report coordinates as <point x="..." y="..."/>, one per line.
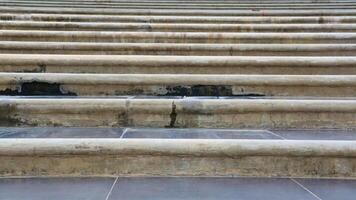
<point x="179" y="19"/>
<point x="180" y="113"/>
<point x="135" y="64"/>
<point x="57" y="84"/>
<point x="178" y="37"/>
<point x="145" y="157"/>
<point x="99" y="48"/>
<point x="174" y="12"/>
<point x="175" y="27"/>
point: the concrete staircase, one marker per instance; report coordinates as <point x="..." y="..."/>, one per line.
<point x="172" y="64"/>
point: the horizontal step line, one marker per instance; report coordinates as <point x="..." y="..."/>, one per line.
<point x="156" y="27"/>
<point x="178" y="49"/>
<point x="174" y="37"/>
<point x="185" y="79"/>
<point x="196" y="12"/>
<point x="227" y="8"/>
<point x="166" y="147"/>
<point x="175" y="19"/>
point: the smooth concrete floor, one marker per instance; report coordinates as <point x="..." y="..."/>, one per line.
<point x="187" y="188"/>
<point x="174" y="133"/>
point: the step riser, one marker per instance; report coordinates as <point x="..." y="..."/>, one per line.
<point x="176" y="85"/>
<point x="186" y="4"/>
<point x="168" y="158"/>
<point x="178" y="49"/>
<point x="196" y="12"/>
<point x="144" y="27"/>
<point x="183" y="7"/>
<point x="176" y="64"/>
<point x="178" y="19"/>
<point x="260" y="114"/>
<point x="169" y="37"/>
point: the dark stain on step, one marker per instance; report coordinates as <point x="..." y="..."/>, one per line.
<point x="205" y="90"/>
<point x="41" y="68"/>
<point x="7" y="115"/>
<point x="37" y="88"/>
<point x="199" y="90"/>
<point x="173" y="116"/>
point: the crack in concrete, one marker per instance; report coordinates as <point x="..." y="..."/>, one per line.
<point x="173" y="116"/>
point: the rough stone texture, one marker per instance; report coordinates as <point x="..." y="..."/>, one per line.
<point x="179" y="158"/>
<point x="187" y="49"/>
<point x="177" y="64"/>
<point x="26" y="84"/>
<point x="207" y="113"/>
<point x="172" y="37"/>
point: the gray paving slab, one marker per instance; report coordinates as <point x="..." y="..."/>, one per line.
<point x="317" y="134"/>
<point x="55" y="188"/>
<point x="208" y="188"/>
<point x="198" y="133"/>
<point x="58" y="132"/>
<point x="331" y="189"/>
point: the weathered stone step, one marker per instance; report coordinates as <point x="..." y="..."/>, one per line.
<point x="175" y="12"/>
<point x="176" y="64"/>
<point x="24" y="84"/>
<point x="189" y="3"/>
<point x="208" y="1"/>
<point x="181" y="6"/>
<point x="164" y="27"/>
<point x="183" y="157"/>
<point x="179" y="112"/>
<point x="174" y="37"/>
<point x="213" y="4"/>
<point x="179" y="19"/>
<point x="162" y="5"/>
<point x="23" y="47"/>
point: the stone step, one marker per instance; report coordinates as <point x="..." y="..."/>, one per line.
<point x="214" y="4"/>
<point x="179" y="112"/>
<point x="175" y="12"/>
<point x="140" y="64"/>
<point x="206" y="1"/>
<point x="28" y="47"/>
<point x="174" y="37"/>
<point x="312" y="6"/>
<point x="164" y="27"/>
<point x="179" y="19"/>
<point x="183" y="157"/>
<point x="27" y="84"/>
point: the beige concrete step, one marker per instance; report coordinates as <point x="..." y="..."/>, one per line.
<point x="179" y="19"/>
<point x="181" y="6"/>
<point x="179" y="112"/>
<point x="206" y="1"/>
<point x="175" y="12"/>
<point x="183" y="157"/>
<point x="24" y="84"/>
<point x="213" y="4"/>
<point x="174" y="37"/>
<point x="164" y="27"/>
<point x="125" y="64"/>
<point x="23" y="47"/>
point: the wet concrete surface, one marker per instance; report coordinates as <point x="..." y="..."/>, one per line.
<point x="184" y="188"/>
